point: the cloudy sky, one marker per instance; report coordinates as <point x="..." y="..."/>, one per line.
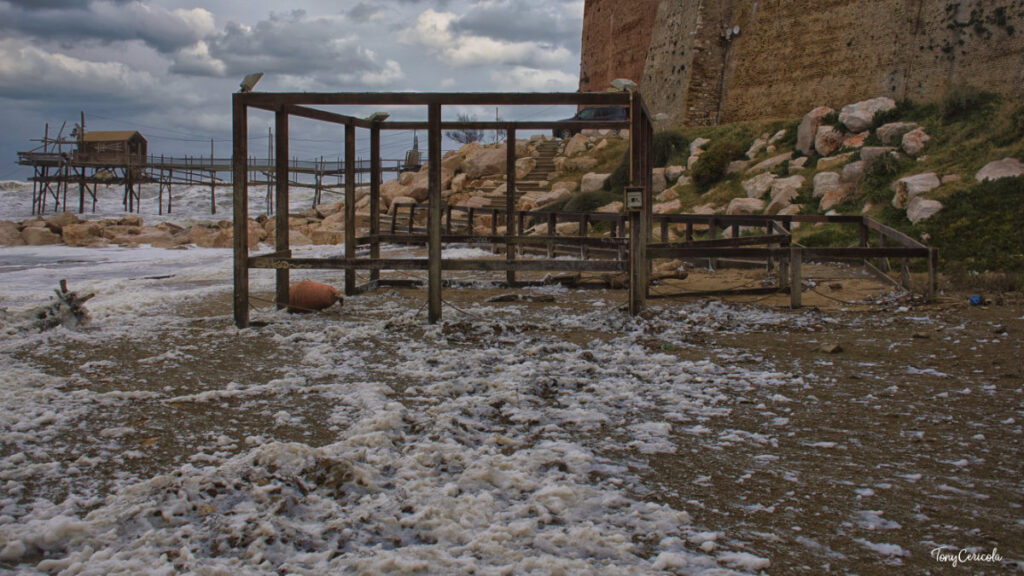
<point x="167" y="67"/>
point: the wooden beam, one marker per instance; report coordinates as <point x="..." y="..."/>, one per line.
<point x="375" y="174"/>
<point x="240" y="142"/>
<point x="510" y="199"/>
<point x="271" y="100"/>
<point x="495" y="265"/>
<point x="434" y="212"/>
<point x="281" y="191"/>
<point x="795" y="280"/>
<point x="350" y="206"/>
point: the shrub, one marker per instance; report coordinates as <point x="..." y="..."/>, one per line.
<point x="620" y="176"/>
<point x="982" y="227"/>
<point x="667" y="146"/>
<point x="712" y="165"/>
<point x="962" y="101"/>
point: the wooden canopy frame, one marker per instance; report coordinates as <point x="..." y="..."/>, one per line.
<point x="286" y="105"/>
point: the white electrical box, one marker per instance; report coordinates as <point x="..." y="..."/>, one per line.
<point x="634" y="199"/>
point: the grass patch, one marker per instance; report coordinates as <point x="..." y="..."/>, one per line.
<point x="670" y="148"/>
<point x="982" y="227"/>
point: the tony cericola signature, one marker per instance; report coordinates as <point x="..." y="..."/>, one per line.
<point x="963" y="556"/>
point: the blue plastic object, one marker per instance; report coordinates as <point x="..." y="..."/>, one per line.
<point x="976" y="301"/>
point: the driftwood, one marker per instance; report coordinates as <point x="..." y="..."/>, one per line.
<point x="67" y="309"/>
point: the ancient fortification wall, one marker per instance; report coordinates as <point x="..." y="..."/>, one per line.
<point x="616" y="35"/>
<point x="710" y="61"/>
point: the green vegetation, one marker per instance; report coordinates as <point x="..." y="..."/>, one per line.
<point x="670" y="148"/>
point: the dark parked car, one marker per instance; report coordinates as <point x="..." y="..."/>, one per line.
<point x="597" y="113"/>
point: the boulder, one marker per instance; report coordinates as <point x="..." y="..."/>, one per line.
<point x="825" y="182"/>
<point x="833" y="197"/>
<point x="920" y="209"/>
<point x="1005" y="168"/>
<point x="581" y="164"/>
<point x="834" y="161"/>
<point x="9" y="234"/>
<point x="909" y="187"/>
<point x="914" y="141"/>
<point x="892" y="132"/>
<point x="770" y="163"/>
<point x="860" y="116"/>
<point x="855" y="140"/>
<point x="612" y="208"/>
<point x="39" y="236"/>
<point x="556" y="194"/>
<point x="853" y="173"/>
<point x="392" y="189"/>
<point x="692" y="161"/>
<point x="391" y="208"/>
<point x="808" y="130"/>
<point x="458" y="183"/>
<point x="673" y="173"/>
<point x="758" y="145"/>
<point x="524" y="166"/>
<point x="697" y="146"/>
<point x="81" y="234"/>
<point x="759" y="185"/>
<point x="777" y="136"/>
<point x="658" y="181"/>
<point x="487" y="161"/>
<point x="737" y="166"/>
<point x="592" y="182"/>
<point x="58" y="221"/>
<point x="872" y="154"/>
<point x="745" y="206"/>
<point x="206" y="237"/>
<point x="827" y="140"/>
<point x="666" y="195"/>
<point x="154" y="237"/>
<point x="130" y="220"/>
<point x="787" y="187"/>
<point x="405" y="178"/>
<point x="797" y="164"/>
<point x="670" y="207"/>
<point x="576" y="145"/>
<point x="327" y="236"/>
<point x="781" y="201"/>
<point x="298" y="238"/>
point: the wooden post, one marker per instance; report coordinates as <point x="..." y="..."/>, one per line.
<point x="350" y="207"/>
<point x="375" y="177"/>
<point x="933" y="271"/>
<point x="510" y="201"/>
<point x="434" y="214"/>
<point x="281" y="223"/>
<point x="638" y="219"/>
<point x="796" y="284"/>
<point x="582" y="235"/>
<point x="552" y="224"/>
<point x="240" y="135"/>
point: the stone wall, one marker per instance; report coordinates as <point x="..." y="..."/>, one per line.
<point x="616" y="35"/>
<point x="711" y="61"/>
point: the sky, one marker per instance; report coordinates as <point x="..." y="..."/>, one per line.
<point x="167" y="68"/>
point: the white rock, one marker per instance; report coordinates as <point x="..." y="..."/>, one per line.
<point x="673" y="173"/>
<point x="745" y="206"/>
<point x="827" y="140"/>
<point x="666" y="195"/>
<point x="787" y="186"/>
<point x="914" y="141"/>
<point x="592" y="182"/>
<point x="697" y="146"/>
<point x="909" y="187"/>
<point x="920" y="209"/>
<point x="658" y="181"/>
<point x="809" y="128"/>
<point x="833" y="198"/>
<point x="890" y="133"/>
<point x="859" y="117"/>
<point x="766" y="165"/>
<point x="524" y="166"/>
<point x="759" y="185"/>
<point x="756" y="147"/>
<point x="825" y="182"/>
<point x="577" y="145"/>
<point x="872" y="154"/>
<point x="797" y="164"/>
<point x="853" y="173"/>
<point x="668" y="207"/>
<point x="834" y="161"/>
<point x="737" y="166"/>
<point x="1005" y="168"/>
<point x="777" y="136"/>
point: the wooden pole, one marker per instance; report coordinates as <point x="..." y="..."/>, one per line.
<point x="510" y="201"/>
<point x="350" y="206"/>
<point x="795" y="282"/>
<point x="281" y="191"/>
<point x="434" y="214"/>
<point x="240" y="133"/>
<point x="933" y="270"/>
<point x="375" y="177"/>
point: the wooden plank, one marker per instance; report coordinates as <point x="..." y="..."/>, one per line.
<point x="274" y="99"/>
<point x="879" y="273"/>
<point x="281" y="224"/>
<point x="723" y="242"/>
<point x="532" y="125"/>
<point x="894" y="234"/>
<point x="495" y="265"/>
<point x="240" y="143"/>
<point x="822" y="254"/>
<point x="434" y="213"/>
<point x="350" y="206"/>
